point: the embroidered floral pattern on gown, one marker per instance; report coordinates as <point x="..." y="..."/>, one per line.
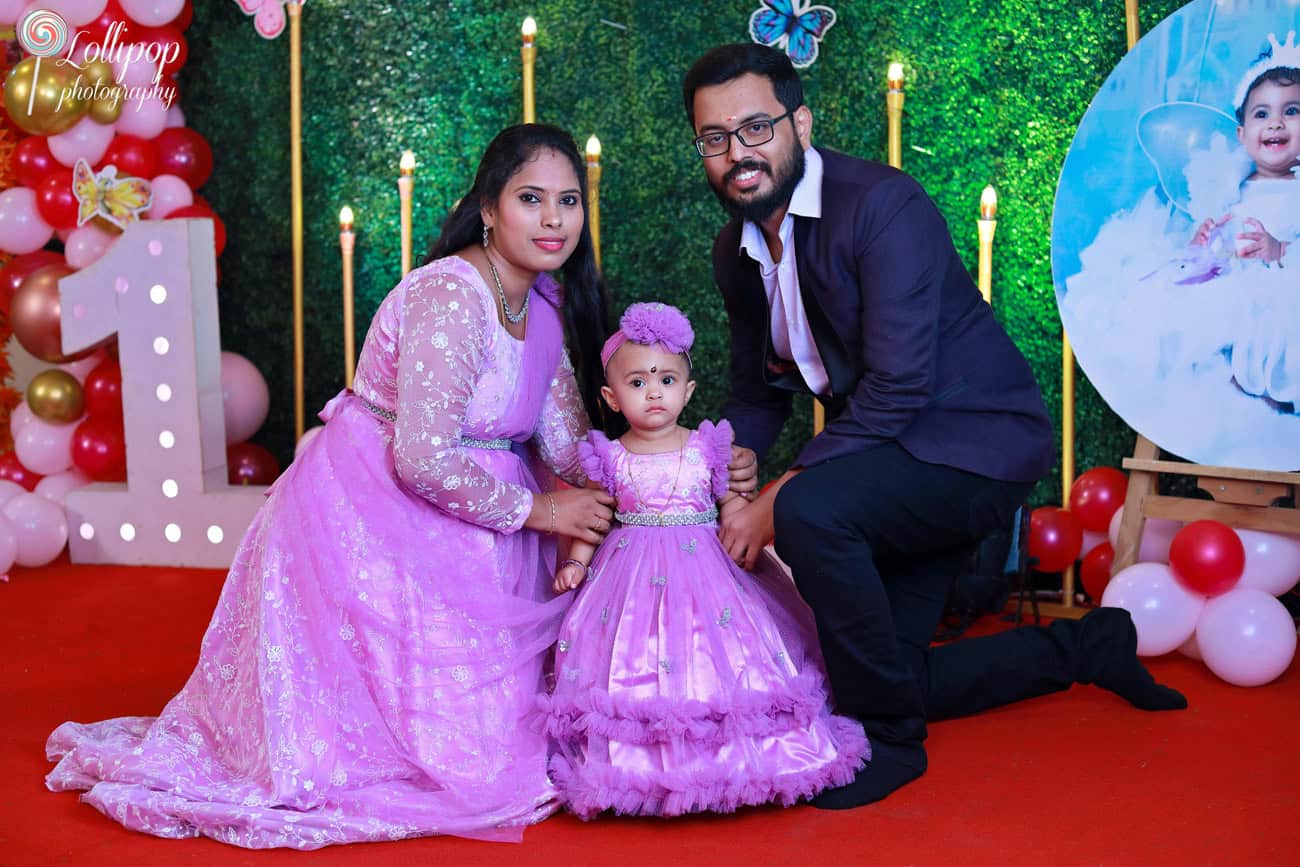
<point x="683" y="683"/>
<point x="377" y="648"/>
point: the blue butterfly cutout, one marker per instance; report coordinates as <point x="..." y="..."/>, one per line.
<point x="791" y="25"/>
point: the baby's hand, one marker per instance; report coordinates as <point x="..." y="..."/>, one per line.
<point x="1259" y="243"/>
<point x="1203" y="231"/>
<point x="569" y="576"/>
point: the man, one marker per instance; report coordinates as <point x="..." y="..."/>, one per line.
<point x="840" y="279"/>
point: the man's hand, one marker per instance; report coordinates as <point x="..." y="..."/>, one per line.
<point x="745" y="531"/>
<point x="743" y="472"/>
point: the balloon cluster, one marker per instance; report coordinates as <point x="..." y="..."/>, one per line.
<point x="1209" y="591"/>
<point x="69" y="432"/>
<point x="1058" y="537"/>
<point x="98" y="87"/>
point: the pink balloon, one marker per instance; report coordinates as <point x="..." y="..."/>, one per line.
<point x="19" y="418"/>
<point x="244" y="397"/>
<point x="80" y="369"/>
<point x="21" y="228"/>
<point x="86" y="140"/>
<point x="307" y="436"/>
<point x="1246" y="636"/>
<point x="143" y="116"/>
<point x="1188" y="648"/>
<point x="55" y="488"/>
<point x="9" y="12"/>
<point x="1090" y="540"/>
<point x="175" y="117"/>
<point x="77" y="12"/>
<point x="9" y="490"/>
<point x="1157" y="535"/>
<point x="86" y="244"/>
<point x="132" y="70"/>
<point x="8" y="547"/>
<point x="1272" y="561"/>
<point x="169" y="193"/>
<point x="269" y="20"/>
<point x="152" y="12"/>
<point x="45" y="448"/>
<point x="1163" y="610"/>
<point x="42" y="528"/>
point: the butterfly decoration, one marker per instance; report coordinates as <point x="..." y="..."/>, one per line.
<point x="268" y="15"/>
<point x="793" y="26"/>
<point x="118" y="200"/>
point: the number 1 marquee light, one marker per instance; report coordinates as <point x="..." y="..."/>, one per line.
<point x="156" y="289"/>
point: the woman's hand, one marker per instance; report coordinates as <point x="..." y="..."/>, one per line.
<point x="742" y="472"/>
<point x="583" y="513"/>
<point x="1259" y="243"/>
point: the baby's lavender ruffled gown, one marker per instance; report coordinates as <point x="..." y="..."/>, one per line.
<point x="682" y="682"/>
<point x="377" y="649"/>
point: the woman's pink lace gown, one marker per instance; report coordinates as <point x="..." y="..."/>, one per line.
<point x="378" y="646"/>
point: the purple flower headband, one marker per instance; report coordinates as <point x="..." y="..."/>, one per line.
<point x="648" y="324"/>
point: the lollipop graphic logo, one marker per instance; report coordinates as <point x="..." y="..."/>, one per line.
<point x="43" y="33"/>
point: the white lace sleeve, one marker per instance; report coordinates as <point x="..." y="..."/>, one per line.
<point x="443" y="342"/>
<point x="562" y="424"/>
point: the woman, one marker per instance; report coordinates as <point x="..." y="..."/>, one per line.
<point x="378" y="645"/>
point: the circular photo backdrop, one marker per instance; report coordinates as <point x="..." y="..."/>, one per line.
<point x="1176" y="235"/>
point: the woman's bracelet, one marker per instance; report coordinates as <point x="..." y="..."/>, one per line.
<point x="585" y="568"/>
<point x="550" y="498"/>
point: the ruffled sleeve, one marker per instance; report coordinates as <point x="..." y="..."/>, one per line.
<point x="715" y="442"/>
<point x="443" y="342"/>
<point x="594" y="453"/>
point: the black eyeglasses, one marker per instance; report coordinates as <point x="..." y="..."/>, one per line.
<point x="752" y="134"/>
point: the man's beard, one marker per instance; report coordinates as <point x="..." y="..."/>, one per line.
<point x="759" y="208"/>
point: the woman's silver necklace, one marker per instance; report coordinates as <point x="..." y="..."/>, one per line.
<point x="512" y="318"/>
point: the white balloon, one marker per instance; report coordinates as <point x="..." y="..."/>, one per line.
<point x="42" y="528"/>
<point x="1164" y="611"/>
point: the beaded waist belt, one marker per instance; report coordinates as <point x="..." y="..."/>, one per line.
<point x="501" y="444"/>
<point x="666" y="519"/>
<point x="386" y="414"/>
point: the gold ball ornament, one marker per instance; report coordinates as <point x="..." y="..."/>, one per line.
<point x="108" y="109"/>
<point x="56" y="396"/>
<point x="57" y="105"/>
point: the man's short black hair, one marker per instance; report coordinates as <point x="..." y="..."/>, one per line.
<point x="727" y="62"/>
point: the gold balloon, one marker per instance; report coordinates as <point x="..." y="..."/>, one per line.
<point x="98" y="72"/>
<point x="59" y="102"/>
<point x="107" y="109"/>
<point x="56" y="396"/>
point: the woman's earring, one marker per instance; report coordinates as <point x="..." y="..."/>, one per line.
<point x="485" y="237"/>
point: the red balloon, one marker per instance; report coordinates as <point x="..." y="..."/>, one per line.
<point x="218" y="227"/>
<point x="164" y="36"/>
<point x="1208" y="557"/>
<point x="186" y="18"/>
<point x="132" y="156"/>
<point x="250" y="464"/>
<point x="1094" y="570"/>
<point x="55" y="200"/>
<point x="103" y="391"/>
<point x="13" y="274"/>
<point x="186" y="154"/>
<point x="97" y="31"/>
<point x="1055" y="538"/>
<point x="12" y="470"/>
<point x="1096" y="496"/>
<point x="99" y="449"/>
<point x="31" y="161"/>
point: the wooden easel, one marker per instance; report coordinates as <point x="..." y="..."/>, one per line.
<point x="1242" y="498"/>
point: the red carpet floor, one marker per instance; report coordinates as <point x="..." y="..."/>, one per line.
<point x="1074" y="778"/>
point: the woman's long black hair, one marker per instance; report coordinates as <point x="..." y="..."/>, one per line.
<point x="585" y="307"/>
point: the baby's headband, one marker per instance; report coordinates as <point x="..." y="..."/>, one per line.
<point x="1279" y="54"/>
<point x="648" y="324"/>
